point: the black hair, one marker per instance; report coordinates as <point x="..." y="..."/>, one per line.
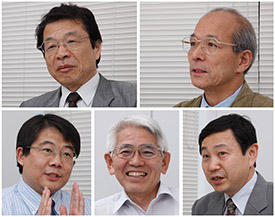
<point x="30" y="130"/>
<point x="70" y="11"/>
<point x="243" y="130"/>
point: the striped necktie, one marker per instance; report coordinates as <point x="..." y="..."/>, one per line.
<point x="53" y="212"/>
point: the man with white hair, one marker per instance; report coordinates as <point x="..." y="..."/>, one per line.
<point x="137" y="155"/>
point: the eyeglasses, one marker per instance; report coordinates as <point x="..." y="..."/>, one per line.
<point x="71" y="42"/>
<point x="145" y="151"/>
<point x="209" y="45"/>
<point x="66" y="154"/>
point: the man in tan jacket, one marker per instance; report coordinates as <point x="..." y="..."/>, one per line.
<point x="220" y="52"/>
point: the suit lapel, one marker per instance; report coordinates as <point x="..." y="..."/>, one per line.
<point x="54" y="100"/>
<point x="216" y="205"/>
<point x="257" y="200"/>
<point x="104" y="94"/>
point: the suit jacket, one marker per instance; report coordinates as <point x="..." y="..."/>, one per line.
<point x="109" y="93"/>
<point x="260" y="201"/>
<point x="246" y="98"/>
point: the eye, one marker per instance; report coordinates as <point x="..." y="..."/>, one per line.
<point x="192" y="43"/>
<point x="68" y="154"/>
<point x="212" y="44"/>
<point x="125" y="152"/>
<point x="72" y="41"/>
<point x="205" y="156"/>
<point x="47" y="150"/>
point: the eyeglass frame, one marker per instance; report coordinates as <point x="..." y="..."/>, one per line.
<point x="204" y="48"/>
<point x="137" y="149"/>
<point x="41" y="47"/>
<point x="54" y="152"/>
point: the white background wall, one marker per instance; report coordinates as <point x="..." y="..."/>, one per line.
<point x="105" y="184"/>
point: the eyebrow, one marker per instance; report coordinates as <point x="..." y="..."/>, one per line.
<point x="215" y="147"/>
<point x="75" y="33"/>
<point x="208" y="35"/>
<point x="47" y="142"/>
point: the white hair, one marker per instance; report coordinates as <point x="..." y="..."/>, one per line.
<point x="137" y="121"/>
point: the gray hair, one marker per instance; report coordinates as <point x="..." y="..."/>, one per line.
<point x="244" y="37"/>
<point x="137" y="121"/>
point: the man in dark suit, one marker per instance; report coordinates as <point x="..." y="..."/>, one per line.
<point x="70" y="41"/>
<point x="229" y="150"/>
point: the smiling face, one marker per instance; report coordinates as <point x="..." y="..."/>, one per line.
<point x="224" y="165"/>
<point x="221" y="69"/>
<point x="40" y="170"/>
<point x="71" y="68"/>
<point x="138" y="176"/>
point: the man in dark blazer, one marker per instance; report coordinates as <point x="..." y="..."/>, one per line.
<point x="69" y="38"/>
<point x="229" y="150"/>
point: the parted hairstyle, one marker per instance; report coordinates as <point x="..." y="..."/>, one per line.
<point x="243" y="130"/>
<point x="137" y="121"/>
<point x="70" y="11"/>
<point x="244" y="36"/>
<point x="30" y="130"/>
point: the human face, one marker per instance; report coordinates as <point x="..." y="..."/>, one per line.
<point x="221" y="69"/>
<point x="224" y="165"/>
<point x="72" y="68"/>
<point x="40" y="171"/>
<point x="137" y="175"/>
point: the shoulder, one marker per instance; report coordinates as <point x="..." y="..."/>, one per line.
<point x="45" y="100"/>
<point x="106" y="205"/>
<point x="201" y="205"/>
<point x="122" y="87"/>
<point x="248" y="98"/>
<point x="196" y="102"/>
<point x="10" y="200"/>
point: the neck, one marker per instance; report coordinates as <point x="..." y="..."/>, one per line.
<point x="215" y="95"/>
<point x="143" y="199"/>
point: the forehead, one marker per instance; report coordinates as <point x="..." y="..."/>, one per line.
<point x="62" y="27"/>
<point x="224" y="139"/>
<point x="135" y="136"/>
<point x="220" y="24"/>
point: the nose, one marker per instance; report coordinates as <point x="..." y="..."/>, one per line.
<point x="55" y="160"/>
<point x="197" y="53"/>
<point x="214" y="164"/>
<point x="136" y="160"/>
<point x="62" y="52"/>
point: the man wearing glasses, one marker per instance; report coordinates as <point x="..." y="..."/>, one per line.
<point x="46" y="148"/>
<point x="69" y="38"/>
<point x="137" y="155"/>
<point x="220" y="52"/>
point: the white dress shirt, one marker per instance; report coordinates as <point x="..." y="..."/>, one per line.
<point x="165" y="203"/>
<point x="21" y="199"/>
<point x="241" y="197"/>
<point x="86" y="92"/>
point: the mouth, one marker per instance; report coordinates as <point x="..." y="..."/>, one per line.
<point x="53" y="176"/>
<point x="216" y="180"/>
<point x="136" y="174"/>
<point x="64" y="68"/>
<point x="197" y="70"/>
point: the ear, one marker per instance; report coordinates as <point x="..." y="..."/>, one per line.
<point x="109" y="162"/>
<point x="20" y="156"/>
<point x="245" y="59"/>
<point x="252" y="153"/>
<point x="165" y="162"/>
<point x="97" y="49"/>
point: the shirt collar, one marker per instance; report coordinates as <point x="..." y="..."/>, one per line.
<point x="241" y="197"/>
<point x="33" y="199"/>
<point x="225" y="103"/>
<point x="86" y="92"/>
<point x="124" y="198"/>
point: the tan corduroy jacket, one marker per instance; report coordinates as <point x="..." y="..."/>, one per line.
<point x="246" y="98"/>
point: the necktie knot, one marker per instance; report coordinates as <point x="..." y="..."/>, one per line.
<point x="73" y="98"/>
<point x="231" y="207"/>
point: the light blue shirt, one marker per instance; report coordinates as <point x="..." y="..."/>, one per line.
<point x="165" y="203"/>
<point x="225" y="103"/>
<point x="21" y="199"/>
<point x="86" y="92"/>
<point x="241" y="197"/>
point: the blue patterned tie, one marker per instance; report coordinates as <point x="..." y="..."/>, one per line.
<point x="231" y="207"/>
<point x="53" y="212"/>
